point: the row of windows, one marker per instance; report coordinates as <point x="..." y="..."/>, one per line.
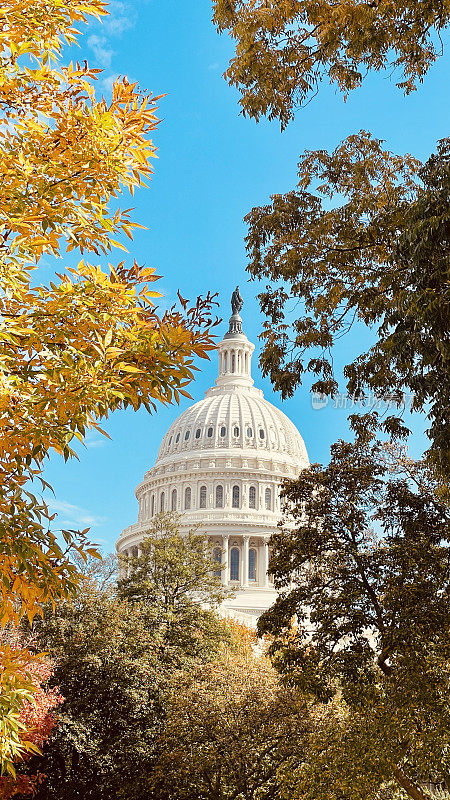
<point x="219" y="498"/>
<point x="234" y="563"/>
<point x="222" y="432"/>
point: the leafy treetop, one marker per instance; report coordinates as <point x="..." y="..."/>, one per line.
<point x="368" y="613"/>
<point x="362" y="239"/>
<point x="284" y="50"/>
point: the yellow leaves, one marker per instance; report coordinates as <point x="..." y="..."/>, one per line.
<point x="90" y="342"/>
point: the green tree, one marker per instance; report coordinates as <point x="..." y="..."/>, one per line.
<point x="174" y="579"/>
<point x="284" y="50"/>
<point x="368" y="614"/>
<point x="114" y="661"/>
<point x="378" y="256"/>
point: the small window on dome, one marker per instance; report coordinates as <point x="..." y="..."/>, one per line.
<point x="217" y="555"/>
<point x="223" y="431"/>
<point x="235" y="497"/>
<point x="187" y="498"/>
<point x="249" y="432"/>
<point x="170" y="440"/>
<point x="187" y="435"/>
<point x="234" y="564"/>
<point x="197" y="433"/>
<point x="235" y="431"/>
<point x="261" y="433"/>
<point x="219" y="496"/>
<point x="177" y="438"/>
<point x="252" y="564"/>
<point x="210" y="432"/>
<point x="202" y="497"/>
<point x="252" y="497"/>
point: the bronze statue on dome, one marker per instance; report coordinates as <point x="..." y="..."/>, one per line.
<point x="236" y="301"/>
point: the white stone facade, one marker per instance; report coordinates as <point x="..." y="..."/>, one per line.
<point x="220" y="465"/>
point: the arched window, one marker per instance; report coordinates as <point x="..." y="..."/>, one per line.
<point x="236" y="497"/>
<point x="249" y="432"/>
<point x="153" y="505"/>
<point x="261" y="433"/>
<point x="252" y="564"/>
<point x="202" y="496"/>
<point x="236" y="430"/>
<point x="174" y="500"/>
<point x="223" y="431"/>
<point x="233" y="363"/>
<point x="162" y="501"/>
<point x="187" y="498"/>
<point x="225" y="362"/>
<point x="170" y="440"/>
<point x="219" y="496"/>
<point x="210" y="433"/>
<point x="268" y="498"/>
<point x="177" y="439"/>
<point x="186" y="435"/>
<point x="252" y="497"/>
<point x="234" y="564"/>
<point x="197" y="433"/>
<point x="217" y="556"/>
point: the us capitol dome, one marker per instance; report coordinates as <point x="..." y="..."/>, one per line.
<point x="220" y="465"/>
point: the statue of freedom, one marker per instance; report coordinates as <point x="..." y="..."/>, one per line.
<point x="236" y="301"/>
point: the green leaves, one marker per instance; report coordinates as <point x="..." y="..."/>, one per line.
<point x="378" y="256"/>
<point x="363" y="565"/>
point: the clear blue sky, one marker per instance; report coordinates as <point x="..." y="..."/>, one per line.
<point x="213" y="167"/>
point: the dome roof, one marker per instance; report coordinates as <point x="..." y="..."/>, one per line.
<point x="234" y="418"/>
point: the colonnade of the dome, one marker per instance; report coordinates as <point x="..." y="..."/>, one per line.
<point x="242" y="560"/>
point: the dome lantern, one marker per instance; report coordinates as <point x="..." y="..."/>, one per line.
<point x="235" y="350"/>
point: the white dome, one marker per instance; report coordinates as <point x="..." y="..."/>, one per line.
<point x="233" y="420"/>
<point x="220" y="466"/>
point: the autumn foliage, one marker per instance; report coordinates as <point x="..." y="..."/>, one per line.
<point x="35" y="712"/>
<point x="91" y="341"/>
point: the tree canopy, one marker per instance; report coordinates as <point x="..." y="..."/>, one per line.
<point x="368" y="614"/>
<point x="284" y="50"/>
<point x="362" y="239"/>
<point x="230" y="727"/>
<point x="115" y="659"/>
<point x="92" y="340"/>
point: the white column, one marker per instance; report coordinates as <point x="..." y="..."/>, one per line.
<point x="245" y="562"/>
<point x="266" y="563"/>
<point x="224" y="572"/>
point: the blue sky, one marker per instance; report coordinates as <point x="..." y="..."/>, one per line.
<point x="213" y="167"/>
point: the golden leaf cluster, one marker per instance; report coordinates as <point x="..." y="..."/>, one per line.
<point x="91" y="341"/>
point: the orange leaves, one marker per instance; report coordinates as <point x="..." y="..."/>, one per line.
<point x="27" y="720"/>
<point x="91" y="341"/>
